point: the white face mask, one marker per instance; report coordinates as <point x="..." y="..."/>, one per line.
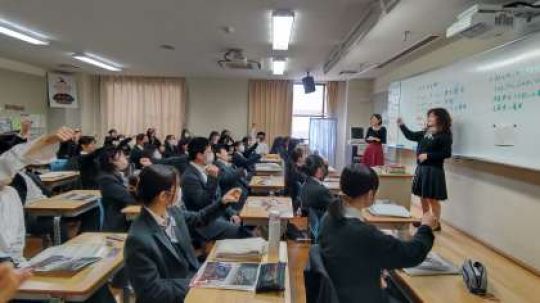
<point x="209" y="158"/>
<point x="241" y="148"/>
<point x="172" y="142"/>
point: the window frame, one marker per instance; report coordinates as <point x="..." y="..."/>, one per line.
<point x="323" y="114"/>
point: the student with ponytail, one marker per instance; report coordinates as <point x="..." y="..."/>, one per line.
<point x="355" y="253"/>
<point x="160" y="259"/>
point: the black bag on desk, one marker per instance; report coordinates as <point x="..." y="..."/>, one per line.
<point x="475" y="277"/>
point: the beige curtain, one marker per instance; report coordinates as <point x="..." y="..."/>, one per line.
<point x="132" y="104"/>
<point x="336" y="103"/>
<point x="270" y="107"/>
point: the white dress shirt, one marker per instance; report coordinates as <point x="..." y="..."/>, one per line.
<point x="12" y="228"/>
<point x="262" y="149"/>
<point x="166" y="223"/>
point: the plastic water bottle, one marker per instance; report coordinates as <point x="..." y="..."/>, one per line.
<point x="274" y="236"/>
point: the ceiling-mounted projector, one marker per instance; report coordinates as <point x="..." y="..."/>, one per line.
<point x="482" y="20"/>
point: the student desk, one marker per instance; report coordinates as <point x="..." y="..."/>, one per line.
<point x="267" y="183"/>
<point x="83" y="284"/>
<point x="59" y="206"/>
<point x="53" y="180"/>
<point x="271" y="158"/>
<point x="332" y="172"/>
<point x="394" y="187"/>
<point x="507" y="281"/>
<point x="256" y="210"/>
<point x="268" y="169"/>
<point x="392" y="223"/>
<point x="131" y="212"/>
<point x="208" y="295"/>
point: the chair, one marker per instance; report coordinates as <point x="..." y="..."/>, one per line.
<point x="314" y="222"/>
<point x="319" y="286"/>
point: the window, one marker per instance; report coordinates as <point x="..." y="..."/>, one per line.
<point x="306" y="106"/>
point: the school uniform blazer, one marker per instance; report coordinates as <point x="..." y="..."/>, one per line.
<point x="315" y="195"/>
<point x="170" y="150"/>
<point x="230" y="177"/>
<point x="354" y="253"/>
<point x="114" y="197"/>
<point x="240" y="160"/>
<point x="135" y="156"/>
<point x="159" y="270"/>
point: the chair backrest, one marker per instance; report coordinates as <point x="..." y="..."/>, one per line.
<point x="319" y="286"/>
<point x="314" y="218"/>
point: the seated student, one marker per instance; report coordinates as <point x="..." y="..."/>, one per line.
<point x="141" y="140"/>
<point x="294" y="176"/>
<point x="249" y="147"/>
<point x="87" y="162"/>
<point x="262" y="147"/>
<point x="70" y="148"/>
<point x="240" y="160"/>
<point x="183" y="146"/>
<point x="180" y="162"/>
<point x="200" y="188"/>
<point x="355" y="253"/>
<point x="171" y="148"/>
<point x="10" y="280"/>
<point x="111" y="138"/>
<point x="225" y="138"/>
<point x="230" y="176"/>
<point x="153" y="141"/>
<point x="314" y="195"/>
<point x="12" y="225"/>
<point x="213" y="138"/>
<point x="114" y="192"/>
<point x="160" y="259"/>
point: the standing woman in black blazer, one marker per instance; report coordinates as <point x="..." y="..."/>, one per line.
<point x="354" y="252"/>
<point x="434" y="146"/>
<point x="160" y="259"/>
<point x="114" y="192"/>
<point x="375" y="138"/>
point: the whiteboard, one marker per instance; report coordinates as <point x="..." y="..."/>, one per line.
<point x="493" y="98"/>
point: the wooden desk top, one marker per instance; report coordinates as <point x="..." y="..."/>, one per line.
<point x="259" y="207"/>
<point x="132" y="210"/>
<point x="58" y="176"/>
<point x="208" y="295"/>
<point x="59" y="205"/>
<point x="270" y="167"/>
<point x="267" y="182"/>
<point x="271" y="158"/>
<point x="82" y="284"/>
<point x="507" y="281"/>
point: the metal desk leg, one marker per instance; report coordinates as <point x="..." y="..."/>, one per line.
<point x="57" y="233"/>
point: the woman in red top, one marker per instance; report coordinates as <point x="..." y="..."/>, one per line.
<point x="375" y="137"/>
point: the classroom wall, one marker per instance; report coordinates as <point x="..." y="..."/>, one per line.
<point x="217" y="103"/>
<point x="21" y="88"/>
<point x="495" y="204"/>
<point x="359" y="104"/>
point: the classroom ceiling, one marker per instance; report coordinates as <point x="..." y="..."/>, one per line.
<point x="130" y="33"/>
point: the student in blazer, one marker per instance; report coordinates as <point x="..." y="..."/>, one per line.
<point x="230" y="176"/>
<point x="314" y="194"/>
<point x="114" y="192"/>
<point x="160" y="259"/>
<point x="354" y="252"/>
<point x="200" y="188"/>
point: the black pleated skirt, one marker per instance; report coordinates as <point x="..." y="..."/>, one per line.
<point x="430" y="182"/>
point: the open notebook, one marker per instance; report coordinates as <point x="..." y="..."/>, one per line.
<point x="433" y="265"/>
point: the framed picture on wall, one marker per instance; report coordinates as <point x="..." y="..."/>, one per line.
<point x="62" y="90"/>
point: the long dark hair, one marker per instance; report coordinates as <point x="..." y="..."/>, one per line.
<point x="444" y="121"/>
<point x="106" y="158"/>
<point x="356" y="180"/>
<point x="155" y="179"/>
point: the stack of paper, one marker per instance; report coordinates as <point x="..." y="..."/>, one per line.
<point x="251" y="249"/>
<point x="389" y="210"/>
<point x="433" y="265"/>
<point x="67" y="259"/>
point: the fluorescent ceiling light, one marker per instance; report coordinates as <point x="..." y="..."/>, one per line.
<point x="282" y="23"/>
<point x="90" y="59"/>
<point x="22" y="36"/>
<point x="278" y="66"/>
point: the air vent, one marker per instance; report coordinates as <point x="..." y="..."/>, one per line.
<point x="418" y="45"/>
<point x="235" y="59"/>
